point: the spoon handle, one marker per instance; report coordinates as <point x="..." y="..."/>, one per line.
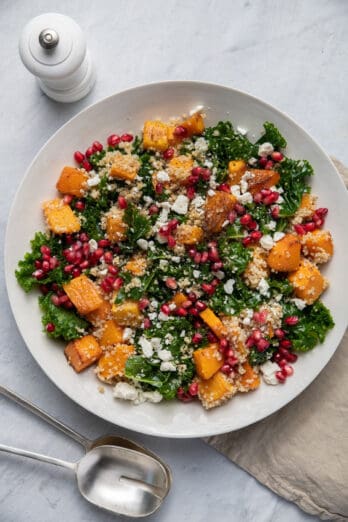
<point x="44" y="416"/>
<point x="37" y="456"/>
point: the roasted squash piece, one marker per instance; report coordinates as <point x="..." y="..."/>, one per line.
<point x="236" y="171"/>
<point x="216" y="390"/>
<point x="285" y="255"/>
<point x="217" y="210"/>
<point x="116" y="228"/>
<point x="112" y="363"/>
<point x="127" y="313"/>
<point x="100" y="314"/>
<point x="179" y="298"/>
<point x="155" y="135"/>
<point x="72" y="181"/>
<point x="137" y="266"/>
<point x="60" y="218"/>
<point x="249" y="380"/>
<point x="214" y="323"/>
<point x="84" y="294"/>
<point x="308" y="204"/>
<point x="307" y="281"/>
<point x="194" y="124"/>
<point x="124" y="166"/>
<point x="317" y="246"/>
<point x="208" y="361"/>
<point x="189" y="234"/>
<point x="179" y="169"/>
<point x="83" y="352"/>
<point x="262" y="179"/>
<point x="112" y="334"/>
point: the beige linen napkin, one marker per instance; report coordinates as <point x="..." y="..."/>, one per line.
<point x="301" y="452"/>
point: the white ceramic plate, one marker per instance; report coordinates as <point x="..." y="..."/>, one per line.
<point x="124" y="112"/>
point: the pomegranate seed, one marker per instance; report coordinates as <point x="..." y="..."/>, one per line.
<point x="159" y="188"/>
<point x="197" y="257"/>
<point x="192" y="180"/>
<point x="262" y="345"/>
<point x="321" y="212"/>
<point x="171" y="283"/>
<point x="103" y="243"/>
<point x="212" y="244"/>
<point x="193" y="311"/>
<point x="246" y="241"/>
<point x="197" y="338"/>
<point x="215" y="282"/>
<point x="192" y="252"/>
<point x="318" y="221"/>
<point x="79" y="205"/>
<point x="250" y="341"/>
<point x="283" y="352"/>
<point x="272" y="198"/>
<point x="309" y="227"/>
<point x="232" y="216"/>
<point x="277" y="156"/>
<point x="117" y="284"/>
<point x="252" y="225"/>
<point x="182" y="396"/>
<point x="263" y="161"/>
<point x="197" y="324"/>
<point x="97" y="146"/>
<point x="239" y="209"/>
<point x="190" y="192"/>
<point x="180" y="131"/>
<point x="84" y="264"/>
<point x="229" y="352"/>
<point x="193" y="389"/>
<point x="44" y="289"/>
<point x="99" y="253"/>
<point x="113" y="140"/>
<point x="208" y="288"/>
<point x="127" y="137"/>
<point x="226" y="369"/>
<point x="153" y="210"/>
<point x="292" y="320"/>
<point x="50" y="327"/>
<point x="224" y="188"/>
<point x="165" y="309"/>
<point x="211" y="337"/>
<point x="182" y="312"/>
<point x="192" y="297"/>
<point x="224" y="344"/>
<point x="37" y="263"/>
<point x="300" y="230"/>
<point x="89" y="152"/>
<point x="112" y="270"/>
<point x="214" y="254"/>
<point x="277" y="357"/>
<point x="285" y="343"/>
<point x="86" y="165"/>
<point x="38" y="274"/>
<point x="68" y="269"/>
<point x="78" y="156"/>
<point x="204" y="257"/>
<point x="217" y="266"/>
<point x="55" y="300"/>
<point x="260" y="317"/>
<point x="108" y="258"/>
<point x="169" y="153"/>
<point x="77" y="246"/>
<point x="265" y="192"/>
<point x="63" y="299"/>
<point x="70" y="256"/>
<point x="186" y="304"/>
<point x="257" y="335"/>
<point x="246" y="219"/>
<point x="287" y="370"/>
<point x="67" y="199"/>
<point x="200" y="306"/>
<point x="257" y="197"/>
<point x="83" y="237"/>
<point x="269" y="165"/>
<point x="143" y="303"/>
<point x="292" y="357"/>
<point x="281" y="378"/>
<point x="279" y="333"/>
<point x="232" y="361"/>
<point x="275" y="212"/>
<point x="172" y="224"/>
<point x="147" y="323"/>
<point x="105" y="286"/>
<point x="76" y="272"/>
<point x="197" y="171"/>
<point x="45" y="250"/>
<point x="282" y="362"/>
<point x="45" y="266"/>
<point x="171" y="242"/>
<point x="122" y="202"/>
<point x="256" y="235"/>
<point x="206" y="175"/>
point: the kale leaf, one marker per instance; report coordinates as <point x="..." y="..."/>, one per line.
<point x="231" y="304"/>
<point x="272" y="135"/>
<point x="95" y="207"/>
<point x="138" y="225"/>
<point x="68" y="325"/>
<point x="234" y="256"/>
<point x="293" y="176"/>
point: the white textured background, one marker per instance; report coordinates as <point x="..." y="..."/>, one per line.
<point x="294" y="55"/>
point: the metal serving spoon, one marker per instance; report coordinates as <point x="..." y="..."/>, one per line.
<point x="118" y="479"/>
<point x="110" y="440"/>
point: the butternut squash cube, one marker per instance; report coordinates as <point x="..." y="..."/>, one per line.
<point x="137" y="265"/>
<point x="262" y="179"/>
<point x="100" y="314"/>
<point x="127" y="313"/>
<point x="215" y="391"/>
<point x="72" y="181"/>
<point x="83" y="352"/>
<point x="84" y="294"/>
<point x="179" y="298"/>
<point x="124" y="166"/>
<point x="112" y="363"/>
<point x="60" y="218"/>
<point x="236" y="171"/>
<point x="317" y="246"/>
<point x="208" y="361"/>
<point x="116" y="228"/>
<point x="194" y="124"/>
<point x="217" y="209"/>
<point x="189" y="234"/>
<point x="112" y="334"/>
<point x="308" y="204"/>
<point x="155" y="135"/>
<point x="249" y="380"/>
<point x="214" y="323"/>
<point x="179" y="169"/>
<point x="285" y="255"/>
<point x="307" y="281"/>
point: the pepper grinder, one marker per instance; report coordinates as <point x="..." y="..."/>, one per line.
<point x="53" y="48"/>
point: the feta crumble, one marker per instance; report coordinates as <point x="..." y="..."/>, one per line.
<point x="165" y="355"/>
<point x="167" y="366"/>
<point x="146" y="347"/>
<point x="180" y="205"/>
<point x="263" y="287"/>
<point x="267" y="242"/>
<point x="268" y="370"/>
<point x="277" y="236"/>
<point x="228" y="286"/>
<point x="265" y="149"/>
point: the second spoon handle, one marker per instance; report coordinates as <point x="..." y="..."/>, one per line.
<point x="37" y="456"/>
<point x="44" y="416"/>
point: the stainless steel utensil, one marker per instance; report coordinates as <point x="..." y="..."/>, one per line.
<point x="117" y="479"/>
<point x="108" y="439"/>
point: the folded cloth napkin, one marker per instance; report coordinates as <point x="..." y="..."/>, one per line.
<point x="301" y="452"/>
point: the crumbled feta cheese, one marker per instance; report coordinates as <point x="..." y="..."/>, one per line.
<point x="176" y="259"/>
<point x="182" y="333"/>
<point x="167" y="366"/>
<point x="198" y="108"/>
<point x="265" y="149"/>
<point x="246" y="321"/>
<point x="147" y="199"/>
<point x="299" y="303"/>
<point x="243" y="186"/>
<point x="146" y="346"/>
<point x="245" y="198"/>
<point x="242" y="130"/>
<point x="154" y="303"/>
<point x="201" y="145"/>
<point x="93" y="245"/>
<point x="180" y="205"/>
<point x="267" y="242"/>
<point x="163" y="317"/>
<point x="263" y="287"/>
<point x="165" y="355"/>
<point x="268" y="370"/>
<point x="198" y="202"/>
<point x="252" y="162"/>
<point x="143" y="244"/>
<point x="156" y="343"/>
<point x="235" y="190"/>
<point x="161" y="239"/>
<point x="228" y="286"/>
<point x="196" y="274"/>
<point x="271" y="225"/>
<point x="211" y="192"/>
<point x="172" y="306"/>
<point x="151" y="396"/>
<point x="93" y="181"/>
<point x="163" y="263"/>
<point x="125" y="391"/>
<point x="219" y="274"/>
<point x="162" y="176"/>
<point x="127" y="334"/>
<point x="152" y="316"/>
<point x="277" y="236"/>
<point x="208" y="164"/>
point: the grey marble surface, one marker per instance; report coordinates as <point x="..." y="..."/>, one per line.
<point x="293" y="55"/>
